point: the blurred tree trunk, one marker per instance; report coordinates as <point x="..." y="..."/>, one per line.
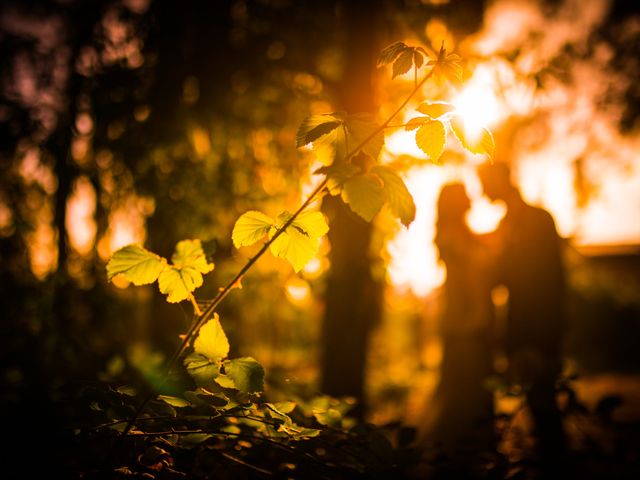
<point x="80" y="20"/>
<point x="352" y="296"/>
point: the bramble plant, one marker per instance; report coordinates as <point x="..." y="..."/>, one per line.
<point x="348" y="146"/>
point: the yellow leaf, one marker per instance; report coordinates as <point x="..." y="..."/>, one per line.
<point x="312" y="223"/>
<point x="189" y="253"/>
<point x="416" y="122"/>
<point x="295" y="247"/>
<point x="397" y="195"/>
<point x="177" y="281"/>
<point x="480" y="142"/>
<point x="315" y="126"/>
<point x="430" y="138"/>
<point x="178" y="284"/>
<point x="250" y="228"/>
<point x="138" y="265"/>
<point x="364" y="195"/>
<point x="326" y="134"/>
<point x="212" y="341"/>
<point x="299" y="243"/>
<point x="435" y="109"/>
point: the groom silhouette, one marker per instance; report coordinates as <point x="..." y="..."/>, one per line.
<point x="530" y="266"/>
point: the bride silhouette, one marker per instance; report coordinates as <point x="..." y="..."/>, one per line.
<point x="460" y="416"/>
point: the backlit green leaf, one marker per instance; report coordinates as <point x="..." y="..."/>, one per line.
<point x="311" y="223"/>
<point x="315" y="126"/>
<point x="283" y="407"/>
<point x="178" y="284"/>
<point x="203" y="370"/>
<point x="138" y="265"/>
<point x="326" y="133"/>
<point x="295" y="247"/>
<point x="179" y="280"/>
<point x="174" y="401"/>
<point x="330" y="417"/>
<point x="250" y="228"/>
<point x="397" y="195"/>
<point x="363" y="127"/>
<point x="364" y="194"/>
<point x="299" y="243"/>
<point x="430" y="138"/>
<point x="246" y="373"/>
<point x="212" y="341"/>
<point x="189" y="254"/>
<point x="479" y="142"/>
<point x="225" y="381"/>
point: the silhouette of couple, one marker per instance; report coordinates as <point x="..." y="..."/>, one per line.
<point x="523" y="255"/>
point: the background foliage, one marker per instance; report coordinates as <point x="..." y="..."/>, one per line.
<point x="176" y="120"/>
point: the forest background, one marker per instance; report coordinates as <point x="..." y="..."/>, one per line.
<point x="151" y="122"/>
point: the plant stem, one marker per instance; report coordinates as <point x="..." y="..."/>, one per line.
<point x="248" y="465"/>
<point x="196" y="308"/>
<point x="210" y="309"/>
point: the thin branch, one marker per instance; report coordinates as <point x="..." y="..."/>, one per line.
<point x="196" y="308"/>
<point x="270" y="441"/>
<point x="247" y="465"/>
<point x="210" y="309"/>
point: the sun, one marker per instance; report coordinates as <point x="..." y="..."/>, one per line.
<point x="478" y="104"/>
<point x="478" y="108"/>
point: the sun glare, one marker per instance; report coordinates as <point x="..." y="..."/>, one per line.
<point x="414" y="263"/>
<point x="402" y="142"/>
<point x="477" y="103"/>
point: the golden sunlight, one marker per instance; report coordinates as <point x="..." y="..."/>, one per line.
<point x="81" y="208"/>
<point x="297" y="291"/>
<point x="402" y="142"/>
<point x="414" y="263"/>
<point x="556" y="125"/>
<point x="126" y="225"/>
<point x="481" y="103"/>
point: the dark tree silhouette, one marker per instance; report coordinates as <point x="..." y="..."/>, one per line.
<point x="353" y="294"/>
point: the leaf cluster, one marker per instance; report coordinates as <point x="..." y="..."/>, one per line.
<point x="352" y="168"/>
<point x="298" y="242"/>
<point x="431" y="131"/>
<point x="226" y="406"/>
<point x="402" y="57"/>
<point x="177" y="279"/>
<point x="200" y="431"/>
